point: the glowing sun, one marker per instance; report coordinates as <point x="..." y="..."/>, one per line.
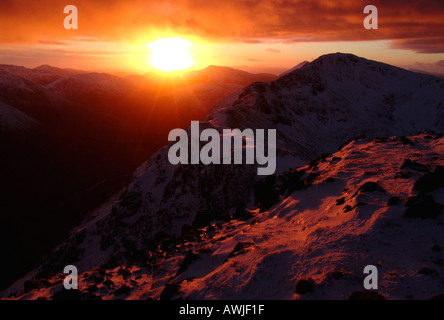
<point x="171" y="54"/>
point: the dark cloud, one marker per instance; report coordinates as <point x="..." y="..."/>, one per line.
<point x="425" y="45"/>
<point x="416" y="25"/>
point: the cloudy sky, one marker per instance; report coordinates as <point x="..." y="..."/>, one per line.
<point x="260" y="36"/>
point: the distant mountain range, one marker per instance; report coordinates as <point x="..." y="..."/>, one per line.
<point x="72" y="139"/>
<point x="359" y="181"/>
<point x="42" y="75"/>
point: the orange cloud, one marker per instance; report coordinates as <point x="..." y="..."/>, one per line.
<point x="416" y="25"/>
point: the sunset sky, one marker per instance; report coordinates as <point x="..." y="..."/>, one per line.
<point x="257" y="36"/>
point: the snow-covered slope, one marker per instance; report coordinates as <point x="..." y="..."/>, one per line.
<point x="13" y="120"/>
<point x="374" y="202"/>
<point x="157" y="226"/>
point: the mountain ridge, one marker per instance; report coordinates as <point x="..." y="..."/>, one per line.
<point x="73" y="141"/>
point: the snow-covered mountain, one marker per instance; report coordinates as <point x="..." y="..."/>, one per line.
<point x="334" y="99"/>
<point x="220" y="231"/>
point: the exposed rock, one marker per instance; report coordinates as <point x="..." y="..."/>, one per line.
<point x="169" y="291"/>
<point x="422" y="206"/>
<point x="428" y="272"/>
<point x="123" y="272"/>
<point x="304" y="286"/>
<point x="123" y="291"/>
<point x="414" y="165"/>
<point x="240" y="246"/>
<point x="189" y="258"/>
<point x="393" y="201"/>
<point x="337" y="275"/>
<point x="431" y="181"/>
<point x="370" y="186"/>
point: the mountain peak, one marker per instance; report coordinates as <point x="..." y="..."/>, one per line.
<point x="58" y="71"/>
<point x="330" y="60"/>
<point x="339" y="59"/>
<point x="44" y="67"/>
<point x="339" y="56"/>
